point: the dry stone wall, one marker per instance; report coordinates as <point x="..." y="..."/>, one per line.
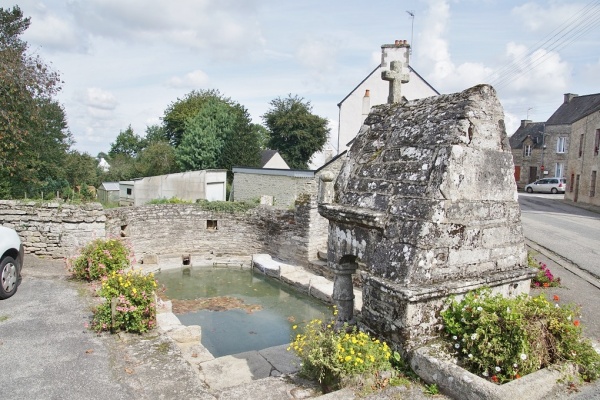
<point x="53" y="229"/>
<point x="178" y="229"/>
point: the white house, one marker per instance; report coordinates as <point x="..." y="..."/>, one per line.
<point x="191" y="186"/>
<point x="374" y="90"/>
<point x="272" y="159"/>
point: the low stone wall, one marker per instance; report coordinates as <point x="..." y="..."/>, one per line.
<point x="178" y="229"/>
<point x="53" y="229"/>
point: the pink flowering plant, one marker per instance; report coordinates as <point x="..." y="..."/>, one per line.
<point x="544" y="278"/>
<point x="501" y="339"/>
<point x="100" y="258"/>
<point x="129" y="302"/>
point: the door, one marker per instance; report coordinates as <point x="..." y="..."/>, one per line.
<point x="517" y="173"/>
<point x="532" y="174"/>
<point x="215" y="191"/>
<point x="576" y="189"/>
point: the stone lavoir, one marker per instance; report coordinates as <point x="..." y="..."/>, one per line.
<point x="426" y="204"/>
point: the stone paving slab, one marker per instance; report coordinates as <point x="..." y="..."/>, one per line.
<point x="229" y="371"/>
<point x="284" y="361"/>
<point x="268" y="389"/>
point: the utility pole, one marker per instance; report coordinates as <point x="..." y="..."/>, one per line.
<point x="412" y="28"/>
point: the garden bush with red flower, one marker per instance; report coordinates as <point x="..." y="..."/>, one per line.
<point x="100" y="258"/>
<point x="502" y="339"/>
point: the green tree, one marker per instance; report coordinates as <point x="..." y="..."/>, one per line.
<point x="155" y="133"/>
<point x="156" y="159"/>
<point x="211" y="131"/>
<point x="127" y="143"/>
<point x="27" y="85"/>
<point x="81" y="169"/>
<point x="179" y="112"/>
<point x="262" y="135"/>
<point x="294" y="131"/>
<point x="204" y="136"/>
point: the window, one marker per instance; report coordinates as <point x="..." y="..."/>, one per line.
<point x="128" y="191"/>
<point x="593" y="184"/>
<point x="559" y="169"/>
<point x="597" y="142"/>
<point x="211" y="224"/>
<point x="527" y="150"/>
<point x="580" y="145"/>
<point x="561" y="145"/>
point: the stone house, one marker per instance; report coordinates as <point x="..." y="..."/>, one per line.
<point x="191" y="186"/>
<point x="541" y="149"/>
<point x="580" y="118"/>
<point x="374" y="90"/>
<point x="527" y="150"/>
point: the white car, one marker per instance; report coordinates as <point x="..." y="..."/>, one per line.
<point x="548" y="185"/>
<point x="11" y="250"/>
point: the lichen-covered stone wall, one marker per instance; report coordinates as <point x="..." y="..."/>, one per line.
<point x="53" y="229"/>
<point x="178" y="229"/>
<point x="427" y="202"/>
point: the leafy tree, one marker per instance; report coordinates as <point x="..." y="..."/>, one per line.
<point x="127" y="143"/>
<point x="155" y="133"/>
<point x="177" y="113"/>
<point x="122" y="168"/>
<point x="81" y="169"/>
<point x="156" y="159"/>
<point x="27" y="85"/>
<point x="211" y="131"/>
<point x="294" y="131"/>
<point x="262" y="135"/>
<point x="204" y="136"/>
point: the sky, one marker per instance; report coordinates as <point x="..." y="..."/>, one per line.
<point x="123" y="62"/>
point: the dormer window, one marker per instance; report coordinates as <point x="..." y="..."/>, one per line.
<point x="527" y="150"/>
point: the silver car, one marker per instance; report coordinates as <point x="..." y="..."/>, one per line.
<point x="11" y="251"/>
<point x="547" y="185"/>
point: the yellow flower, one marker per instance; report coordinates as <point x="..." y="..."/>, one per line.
<point x="348" y="358"/>
<point x="294" y="327"/>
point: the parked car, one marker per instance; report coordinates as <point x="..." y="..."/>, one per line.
<point x="548" y="185"/>
<point x="11" y="263"/>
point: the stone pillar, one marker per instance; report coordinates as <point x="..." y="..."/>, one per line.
<point x="326" y="190"/>
<point x="343" y="294"/>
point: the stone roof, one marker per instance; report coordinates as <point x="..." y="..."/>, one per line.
<point x="574" y="110"/>
<point x="533" y="129"/>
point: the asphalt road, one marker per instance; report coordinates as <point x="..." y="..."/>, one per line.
<point x="571" y="232"/>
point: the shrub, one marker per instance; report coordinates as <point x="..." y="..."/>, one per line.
<point x="99" y="258"/>
<point x="329" y="356"/>
<point x="133" y="295"/>
<point x="544" y="277"/>
<point x="172" y="200"/>
<point x="503" y="339"/>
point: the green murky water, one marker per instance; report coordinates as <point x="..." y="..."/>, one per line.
<point x="237" y="330"/>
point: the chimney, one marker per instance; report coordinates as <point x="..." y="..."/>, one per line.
<point x="366" y="105"/>
<point x="399" y="51"/>
<point x="525" y="122"/>
<point x="569" y="97"/>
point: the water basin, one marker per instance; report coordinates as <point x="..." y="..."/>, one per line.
<point x="238" y="309"/>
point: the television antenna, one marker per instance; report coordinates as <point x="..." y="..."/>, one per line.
<point x="412" y="29"/>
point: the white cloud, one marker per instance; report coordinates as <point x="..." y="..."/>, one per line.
<point x="96" y="98"/>
<point x="317" y="56"/>
<point x="193" y="80"/>
<point x="227" y="27"/>
<point x="444" y="73"/>
<point x="538" y="18"/>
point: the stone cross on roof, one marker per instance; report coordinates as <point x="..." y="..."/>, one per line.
<point x="396" y="77"/>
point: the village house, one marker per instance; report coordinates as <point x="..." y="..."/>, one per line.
<point x="541" y="149"/>
<point x="580" y="118"/>
<point x="374" y="90"/>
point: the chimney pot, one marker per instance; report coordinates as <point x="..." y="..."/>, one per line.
<point x="367" y="93"/>
<point x="396" y="42"/>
